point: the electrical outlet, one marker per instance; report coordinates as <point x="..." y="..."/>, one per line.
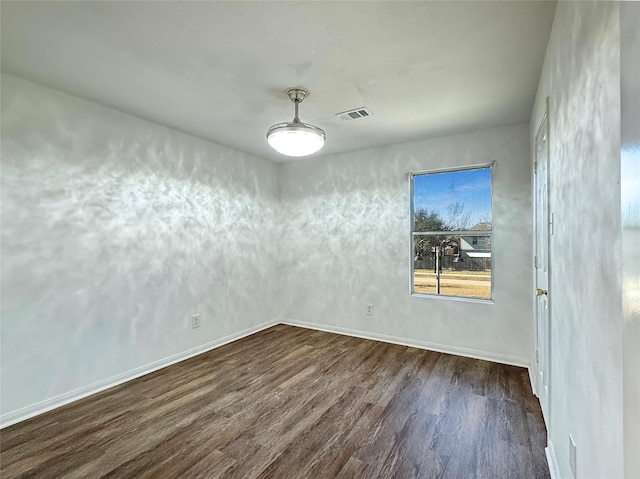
<point x="368" y="309"/>
<point x="195" y="321"/>
<point x="572" y="456"/>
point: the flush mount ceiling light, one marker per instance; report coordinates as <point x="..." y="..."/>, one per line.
<point x="296" y="138"/>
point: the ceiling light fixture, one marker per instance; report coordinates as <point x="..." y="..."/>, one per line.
<point x="296" y="138"/>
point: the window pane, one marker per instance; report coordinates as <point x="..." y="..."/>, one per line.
<point x="464" y="271"/>
<point x="452" y="200"/>
<point x="445" y="202"/>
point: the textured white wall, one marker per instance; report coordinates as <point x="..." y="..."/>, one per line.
<point x="114" y="231"/>
<point x="582" y="78"/>
<point x="347" y="231"/>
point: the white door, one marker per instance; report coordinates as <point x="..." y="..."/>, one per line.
<point x="541" y="261"/>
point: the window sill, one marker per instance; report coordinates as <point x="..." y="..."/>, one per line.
<point x="462" y="299"/>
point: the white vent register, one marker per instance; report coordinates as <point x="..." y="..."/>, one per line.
<point x="354" y="114"/>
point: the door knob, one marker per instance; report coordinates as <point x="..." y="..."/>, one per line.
<point x="541" y="292"/>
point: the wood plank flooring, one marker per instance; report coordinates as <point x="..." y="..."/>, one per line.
<point x="295" y="403"/>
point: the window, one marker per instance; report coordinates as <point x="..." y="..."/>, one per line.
<point x="451" y="233"/>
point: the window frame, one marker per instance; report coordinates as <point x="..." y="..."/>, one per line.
<point x="413" y="234"/>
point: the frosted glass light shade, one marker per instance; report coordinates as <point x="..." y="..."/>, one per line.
<point x="295" y="139"/>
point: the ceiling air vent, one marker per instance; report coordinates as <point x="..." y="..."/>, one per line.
<point x="354" y="114"/>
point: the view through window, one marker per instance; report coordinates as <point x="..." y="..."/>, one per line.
<point x="452" y="231"/>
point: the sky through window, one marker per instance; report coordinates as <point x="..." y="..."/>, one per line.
<point x="439" y="191"/>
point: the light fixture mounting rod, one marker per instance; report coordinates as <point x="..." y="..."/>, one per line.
<point x="296" y="95"/>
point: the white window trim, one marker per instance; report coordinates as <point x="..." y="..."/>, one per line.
<point x="412" y="234"/>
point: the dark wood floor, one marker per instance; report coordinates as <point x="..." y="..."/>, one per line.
<point x="295" y="403"/>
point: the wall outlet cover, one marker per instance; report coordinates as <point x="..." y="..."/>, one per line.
<point x="195" y="321"/>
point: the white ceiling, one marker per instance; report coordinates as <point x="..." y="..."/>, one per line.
<point x="220" y="70"/>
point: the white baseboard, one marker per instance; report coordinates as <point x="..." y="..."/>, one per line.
<point x="554" y="470"/>
<point x="414" y="343"/>
<point x="47" y="405"/>
<point x="532" y="380"/>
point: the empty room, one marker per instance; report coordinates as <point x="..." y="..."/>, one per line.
<point x="347" y="240"/>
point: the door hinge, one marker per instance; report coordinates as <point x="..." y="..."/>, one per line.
<point x="537" y="356"/>
<point x="535" y="262"/>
